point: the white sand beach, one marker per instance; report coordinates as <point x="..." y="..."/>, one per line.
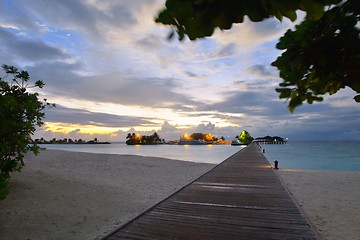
<point x="330" y="199"/>
<point x="67" y="195"/>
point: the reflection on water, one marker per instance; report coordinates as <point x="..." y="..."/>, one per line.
<point x="194" y="153"/>
<point x="343" y="156"/>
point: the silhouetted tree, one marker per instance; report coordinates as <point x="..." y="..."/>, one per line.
<point x="20" y="113"/>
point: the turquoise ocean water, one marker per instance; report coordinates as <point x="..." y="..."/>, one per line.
<point x="343" y="156"/>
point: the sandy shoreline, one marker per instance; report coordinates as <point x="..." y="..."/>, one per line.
<point x="68" y="195"/>
<point x="330" y="199"/>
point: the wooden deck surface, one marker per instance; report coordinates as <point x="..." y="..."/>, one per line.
<point x="241" y="198"/>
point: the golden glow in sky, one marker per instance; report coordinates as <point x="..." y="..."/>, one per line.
<point x="66" y="128"/>
<point x="157" y="116"/>
<point x="118" y="73"/>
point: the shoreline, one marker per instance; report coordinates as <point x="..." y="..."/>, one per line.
<point x="77" y="195"/>
<point x="329" y="199"/>
<point x="73" y="195"/>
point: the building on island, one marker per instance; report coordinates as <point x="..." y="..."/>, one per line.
<point x="271" y="140"/>
<point x="183" y="141"/>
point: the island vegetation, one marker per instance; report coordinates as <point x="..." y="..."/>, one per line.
<point x="136" y="139"/>
<point x="197" y="139"/>
<point x="206" y="137"/>
<point x="245" y="138"/>
<point x="68" y="141"/>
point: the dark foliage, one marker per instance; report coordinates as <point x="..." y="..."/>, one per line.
<point x="321" y="56"/>
<point x="20" y="112"/>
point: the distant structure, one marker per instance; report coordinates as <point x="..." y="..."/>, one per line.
<point x="184" y="141"/>
<point x="236" y="142"/>
<point x="271" y="140"/>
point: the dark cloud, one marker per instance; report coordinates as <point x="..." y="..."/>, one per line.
<point x="260" y="70"/>
<point x="83" y="117"/>
<point x="28" y="49"/>
<point x="59" y="77"/>
<point x="262" y="113"/>
<point x="120" y="87"/>
<point x="228" y="50"/>
<point x="240" y="102"/>
<point x="151" y="41"/>
<point x="66" y="14"/>
<point x="15" y="16"/>
<point x="167" y="127"/>
<point x="31" y="30"/>
<point x="95" y="20"/>
<point x="268" y="27"/>
<point x="323" y="126"/>
<point x="190" y="74"/>
<point x="205" y="128"/>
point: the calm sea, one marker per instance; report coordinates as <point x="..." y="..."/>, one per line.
<point x="193" y="153"/>
<point x="343" y="156"/>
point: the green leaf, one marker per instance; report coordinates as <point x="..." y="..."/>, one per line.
<point x="3" y="188"/>
<point x="39" y="84"/>
<point x="171" y="35"/>
<point x="291" y="15"/>
<point x="313" y="9"/>
<point x="357" y="98"/>
<point x="294" y="102"/>
<point x="284" y="92"/>
<point x="165" y="18"/>
<point x="20" y="113"/>
<point x="320" y="56"/>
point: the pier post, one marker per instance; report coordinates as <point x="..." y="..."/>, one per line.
<point x="276" y="164"/>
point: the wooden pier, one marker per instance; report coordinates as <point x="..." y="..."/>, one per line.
<point x="241" y="198"/>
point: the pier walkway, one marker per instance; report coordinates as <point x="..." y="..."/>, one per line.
<point x="241" y="198"/>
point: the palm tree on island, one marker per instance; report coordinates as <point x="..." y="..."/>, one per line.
<point x="136" y="139"/>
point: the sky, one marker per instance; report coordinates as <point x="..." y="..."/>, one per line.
<point x="111" y="70"/>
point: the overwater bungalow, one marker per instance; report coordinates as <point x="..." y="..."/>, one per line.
<point x="271" y="140"/>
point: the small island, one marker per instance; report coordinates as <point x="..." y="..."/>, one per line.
<point x="68" y="141"/>
<point x="193" y="139"/>
<point x="197" y="139"/>
<point x="244" y="138"/>
<point x="271" y="140"/>
<point x="136" y="139"/>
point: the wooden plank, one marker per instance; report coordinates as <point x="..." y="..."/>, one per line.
<point x="240" y="198"/>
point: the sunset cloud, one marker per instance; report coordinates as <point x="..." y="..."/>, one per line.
<point x="110" y="69"/>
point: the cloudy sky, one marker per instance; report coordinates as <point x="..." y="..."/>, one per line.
<point x="111" y="70"/>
